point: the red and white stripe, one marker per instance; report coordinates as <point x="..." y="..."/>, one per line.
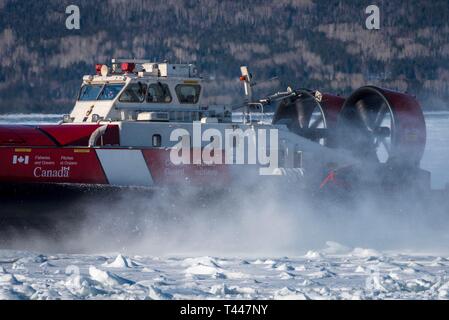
<point x="114" y="166"/>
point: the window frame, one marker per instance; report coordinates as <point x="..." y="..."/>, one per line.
<point x="163" y="84"/>
<point x="188" y="85"/>
<point x="111" y="84"/>
<point x="101" y="85"/>
<point x="135" y="83"/>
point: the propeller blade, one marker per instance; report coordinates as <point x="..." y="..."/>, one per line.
<point x="380" y="115"/>
<point x="386" y="145"/>
<point x="317" y="121"/>
<point x="362" y="111"/>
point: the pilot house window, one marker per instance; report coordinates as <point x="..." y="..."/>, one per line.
<point x="188" y="93"/>
<point x="158" y="93"/>
<point x="110" y="91"/>
<point x="90" y="92"/>
<point x="134" y="92"/>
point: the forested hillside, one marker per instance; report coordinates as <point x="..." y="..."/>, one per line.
<point x="321" y="44"/>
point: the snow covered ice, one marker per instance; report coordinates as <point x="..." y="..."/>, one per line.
<point x="363" y="267"/>
<point x="329" y="276"/>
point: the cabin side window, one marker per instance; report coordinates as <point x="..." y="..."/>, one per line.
<point x="159" y="93"/>
<point x="134" y="93"/>
<point x="188" y="93"/>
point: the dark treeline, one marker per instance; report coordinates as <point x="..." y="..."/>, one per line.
<point x="320" y="44"/>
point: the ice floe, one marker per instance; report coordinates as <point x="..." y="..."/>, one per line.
<point x="337" y="273"/>
<point x="121" y="262"/>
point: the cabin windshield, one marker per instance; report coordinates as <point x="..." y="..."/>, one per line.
<point x="110" y="91"/>
<point x="91" y="92"/>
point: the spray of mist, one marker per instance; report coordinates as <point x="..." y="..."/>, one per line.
<point x="252" y="219"/>
<point x="260" y="221"/>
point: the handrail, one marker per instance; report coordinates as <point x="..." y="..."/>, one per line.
<point x="98" y="133"/>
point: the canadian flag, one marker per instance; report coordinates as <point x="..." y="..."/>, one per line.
<point x="20" y="159"/>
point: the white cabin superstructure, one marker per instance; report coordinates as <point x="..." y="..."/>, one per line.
<point x="147" y="101"/>
<point x="141" y="90"/>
